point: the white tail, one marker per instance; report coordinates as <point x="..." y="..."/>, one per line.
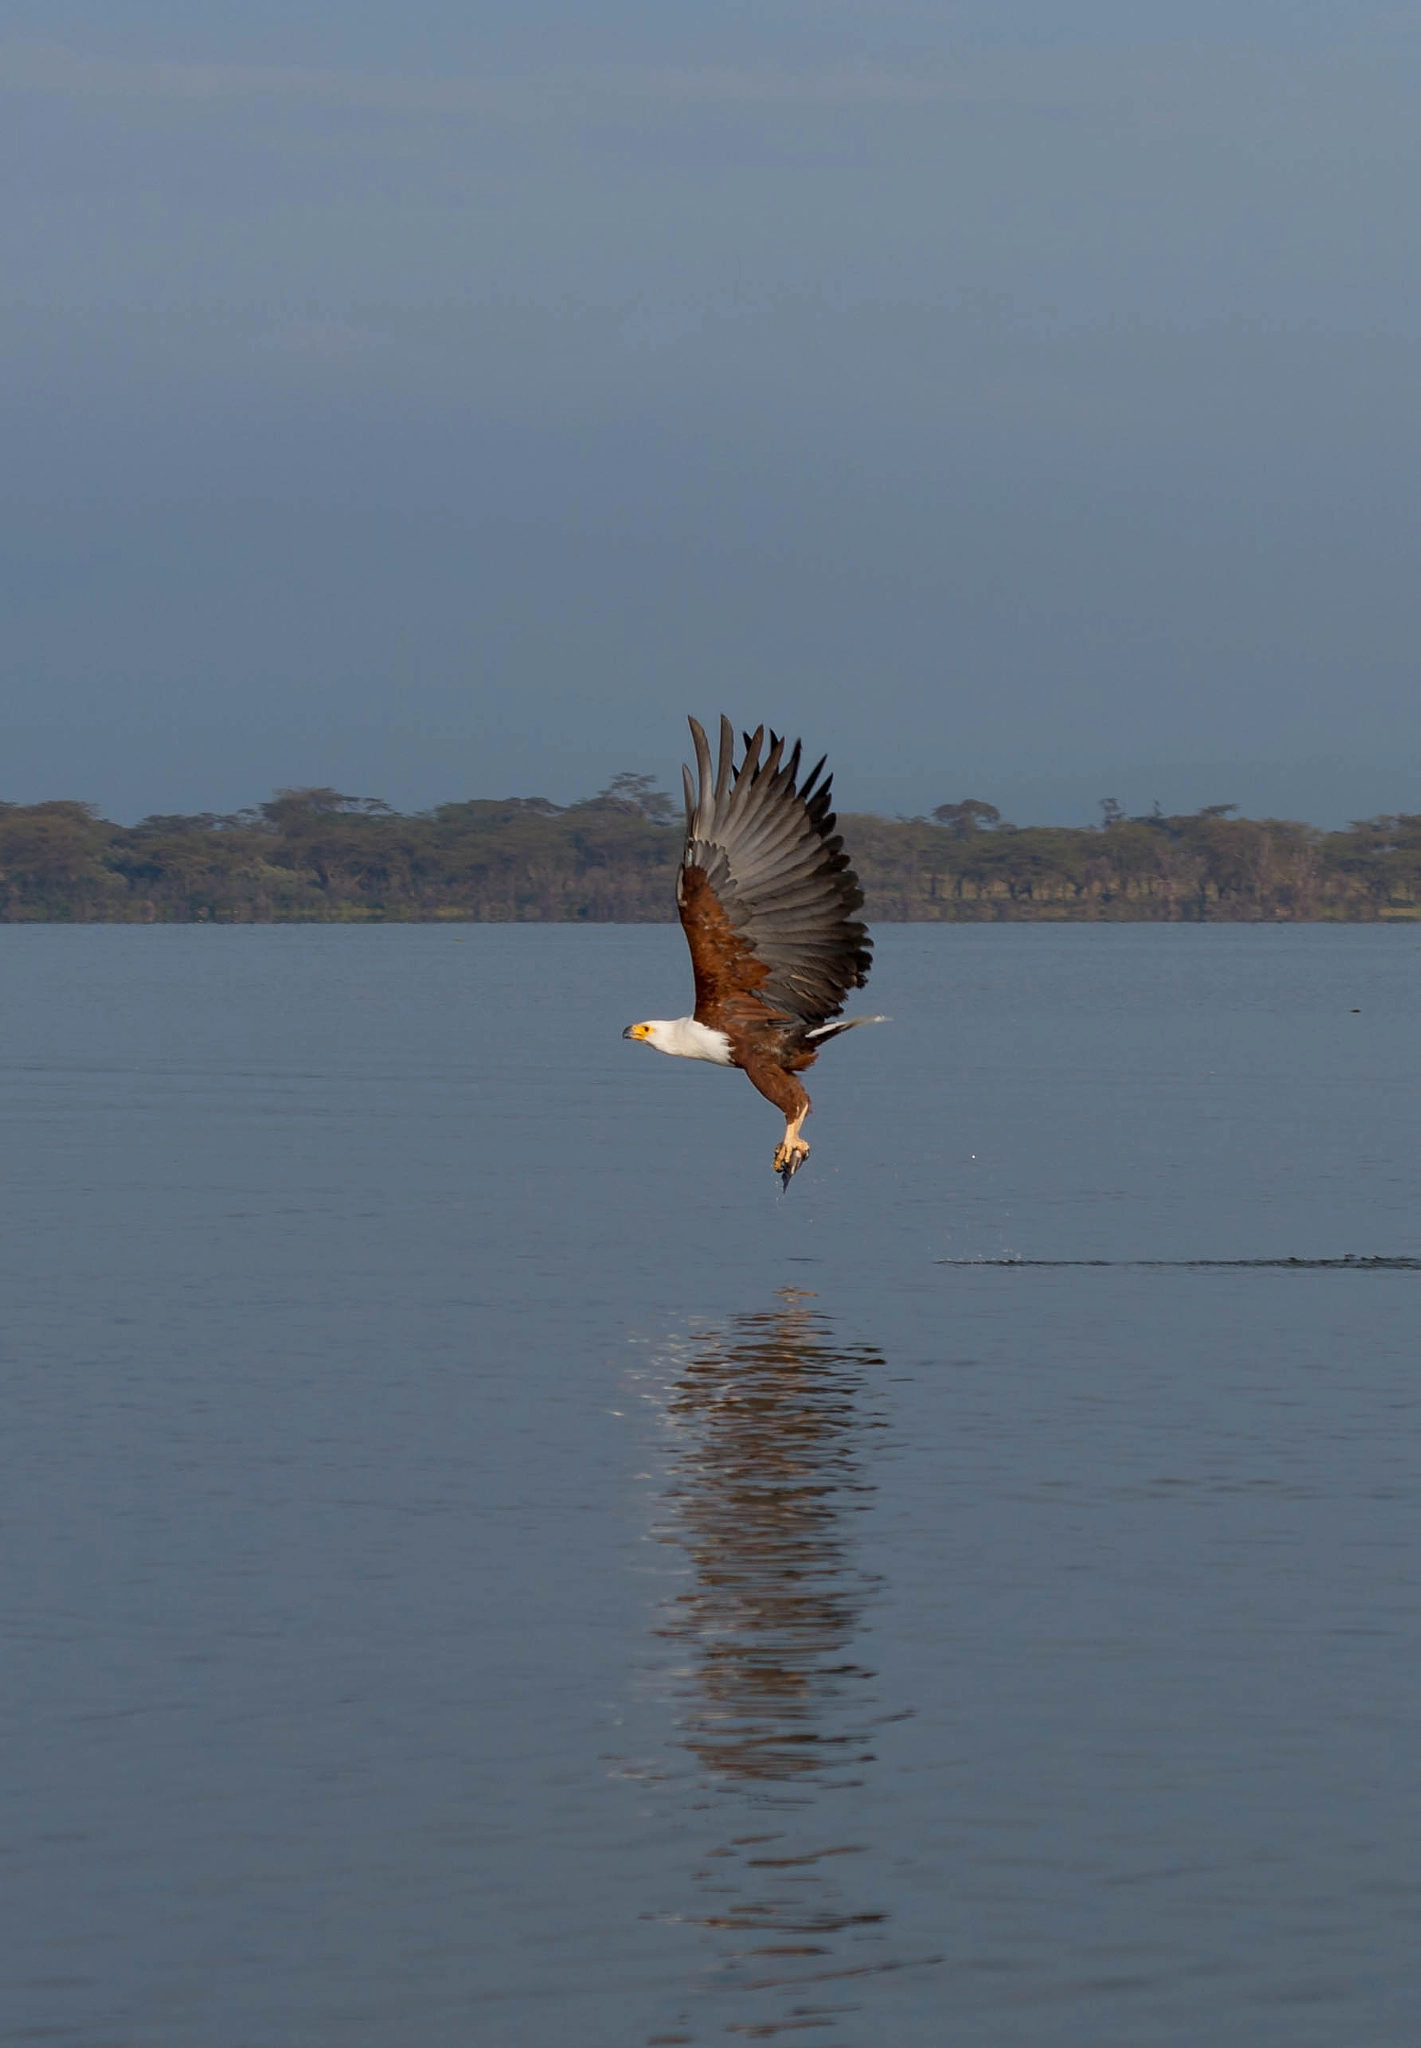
<point x="844" y="1024"/>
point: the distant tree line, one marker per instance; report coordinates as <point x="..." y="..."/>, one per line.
<point x="315" y="855"/>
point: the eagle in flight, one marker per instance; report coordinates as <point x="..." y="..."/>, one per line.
<point x="767" y="901"/>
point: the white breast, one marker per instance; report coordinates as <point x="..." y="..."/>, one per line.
<point x="688" y="1040"/>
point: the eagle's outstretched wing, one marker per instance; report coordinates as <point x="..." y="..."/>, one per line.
<point x="766" y="893"/>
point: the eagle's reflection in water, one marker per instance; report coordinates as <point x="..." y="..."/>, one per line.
<point x="767" y="1479"/>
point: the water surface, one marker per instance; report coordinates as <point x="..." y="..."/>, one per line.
<point x="481" y="1565"/>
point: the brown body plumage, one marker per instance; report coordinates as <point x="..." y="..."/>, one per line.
<point x="767" y="900"/>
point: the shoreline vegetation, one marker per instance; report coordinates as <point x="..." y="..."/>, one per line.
<point x="315" y="856"/>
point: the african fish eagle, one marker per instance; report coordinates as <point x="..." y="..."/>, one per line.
<point x="767" y="901"/>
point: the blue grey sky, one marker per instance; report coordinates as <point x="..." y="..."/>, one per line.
<point x="440" y="400"/>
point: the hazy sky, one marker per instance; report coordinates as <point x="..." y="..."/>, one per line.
<point x="440" y="399"/>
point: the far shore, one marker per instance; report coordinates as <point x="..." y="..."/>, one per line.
<point x="315" y="856"/>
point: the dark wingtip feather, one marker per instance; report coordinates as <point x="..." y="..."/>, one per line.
<point x="727" y="757"/>
<point x="750" y="767"/>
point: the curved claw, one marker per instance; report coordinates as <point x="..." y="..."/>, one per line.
<point x="789" y="1158"/>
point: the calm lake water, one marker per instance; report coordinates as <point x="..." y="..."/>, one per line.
<point x="480" y="1565"/>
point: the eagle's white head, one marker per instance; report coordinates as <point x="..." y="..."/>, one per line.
<point x="684" y="1038"/>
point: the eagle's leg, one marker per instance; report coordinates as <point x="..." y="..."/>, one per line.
<point x="794" y="1151"/>
<point x="779" y="1086"/>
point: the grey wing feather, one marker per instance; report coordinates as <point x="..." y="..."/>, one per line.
<point x="778" y="868"/>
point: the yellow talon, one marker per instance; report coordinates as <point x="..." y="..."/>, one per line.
<point x="789" y="1157"/>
